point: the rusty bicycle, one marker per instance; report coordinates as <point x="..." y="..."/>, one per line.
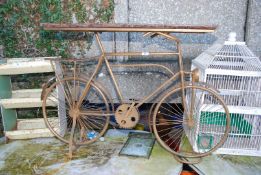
<point x="77" y="109"/>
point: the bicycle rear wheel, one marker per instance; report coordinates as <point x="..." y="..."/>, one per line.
<point x="59" y="102"/>
<point x="150" y="116"/>
<point x="193" y="126"/>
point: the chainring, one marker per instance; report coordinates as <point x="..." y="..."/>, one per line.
<point x="126" y="117"/>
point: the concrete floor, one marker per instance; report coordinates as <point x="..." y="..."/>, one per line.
<point x="48" y="156"/>
<point x="229" y="165"/>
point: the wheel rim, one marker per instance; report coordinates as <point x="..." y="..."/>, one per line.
<point x="150" y="116"/>
<point x="89" y="128"/>
<point x="174" y="131"/>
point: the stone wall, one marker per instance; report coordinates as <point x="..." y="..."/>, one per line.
<point x="253" y="26"/>
<point x="240" y="16"/>
<point x="228" y="15"/>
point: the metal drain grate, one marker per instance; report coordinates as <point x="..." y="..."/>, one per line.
<point x="138" y="145"/>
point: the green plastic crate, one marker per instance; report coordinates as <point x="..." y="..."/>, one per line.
<point x="238" y="124"/>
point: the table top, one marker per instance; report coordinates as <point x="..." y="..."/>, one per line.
<point x="92" y="27"/>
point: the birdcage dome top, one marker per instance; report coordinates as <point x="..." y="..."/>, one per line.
<point x="231" y="55"/>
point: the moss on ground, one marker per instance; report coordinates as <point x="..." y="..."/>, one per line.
<point x="242" y="160"/>
<point x="33" y="157"/>
<point x="27" y="159"/>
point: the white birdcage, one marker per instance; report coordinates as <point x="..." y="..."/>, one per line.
<point x="236" y="72"/>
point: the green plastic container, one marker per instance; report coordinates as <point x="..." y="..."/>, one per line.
<point x="238" y="124"/>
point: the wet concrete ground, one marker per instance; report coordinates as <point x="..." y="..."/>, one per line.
<point x="48" y="156"/>
<point x="229" y="165"/>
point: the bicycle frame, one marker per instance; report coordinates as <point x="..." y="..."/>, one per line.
<point x="149" y="30"/>
<point x="103" y="59"/>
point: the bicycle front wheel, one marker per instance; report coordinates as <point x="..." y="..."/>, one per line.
<point x="191" y="122"/>
<point x="59" y="104"/>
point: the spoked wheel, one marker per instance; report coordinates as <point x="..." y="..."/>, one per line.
<point x="150" y="116"/>
<point x="186" y="160"/>
<point x="59" y="109"/>
<point x="193" y="127"/>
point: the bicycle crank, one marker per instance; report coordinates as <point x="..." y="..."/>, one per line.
<point x="127" y="116"/>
